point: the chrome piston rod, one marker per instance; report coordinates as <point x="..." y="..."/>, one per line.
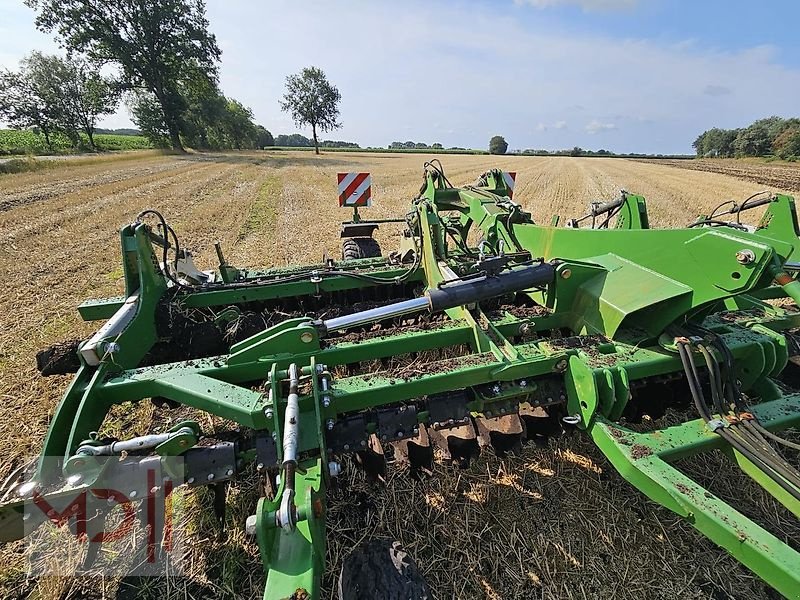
<point x="286" y="516"/>
<point x="380" y="313"/>
<point x="450" y="295"/>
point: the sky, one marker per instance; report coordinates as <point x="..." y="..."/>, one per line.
<point x="624" y="75"/>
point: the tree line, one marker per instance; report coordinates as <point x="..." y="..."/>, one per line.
<point x="166" y="71"/>
<point x="771" y="136"/>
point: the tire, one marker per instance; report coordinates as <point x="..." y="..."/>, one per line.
<point x="362" y="247"/>
<point x="381" y="570"/>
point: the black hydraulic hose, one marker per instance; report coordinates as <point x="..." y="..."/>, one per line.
<point x="776" y="438"/>
<point x="767" y="464"/>
<point x="716" y="379"/>
<point x="691" y="378"/>
<point x="776" y="463"/>
<point x="759" y="461"/>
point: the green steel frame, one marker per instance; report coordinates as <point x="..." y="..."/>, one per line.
<point x="616" y="290"/>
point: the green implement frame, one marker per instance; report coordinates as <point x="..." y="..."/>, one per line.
<point x="584" y="323"/>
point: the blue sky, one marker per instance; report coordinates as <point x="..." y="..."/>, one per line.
<point x="626" y="75"/>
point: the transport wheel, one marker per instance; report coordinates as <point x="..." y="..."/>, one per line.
<point x="381" y="570"/>
<point x="362" y="247"/>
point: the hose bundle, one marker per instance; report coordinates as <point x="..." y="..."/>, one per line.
<point x="728" y="416"/>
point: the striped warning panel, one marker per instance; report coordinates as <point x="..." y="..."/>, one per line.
<point x="355" y="189"/>
<point x="509" y="177"/>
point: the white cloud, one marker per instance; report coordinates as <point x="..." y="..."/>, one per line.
<point x="560" y="125"/>
<point x="595" y="126"/>
<point x="586" y="5"/>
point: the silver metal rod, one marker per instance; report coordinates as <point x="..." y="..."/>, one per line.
<point x="372" y="315"/>
<point x="291" y="418"/>
<point x="94" y="350"/>
<point x="286" y="515"/>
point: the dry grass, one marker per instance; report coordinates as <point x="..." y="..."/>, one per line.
<point x="552" y="522"/>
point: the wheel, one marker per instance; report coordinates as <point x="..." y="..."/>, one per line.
<point x="361" y="247"/>
<point x="381" y="570"/>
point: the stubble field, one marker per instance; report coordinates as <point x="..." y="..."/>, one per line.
<point x="553" y="522"/>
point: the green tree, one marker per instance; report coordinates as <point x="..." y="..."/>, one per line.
<point x="787" y="143"/>
<point x="149" y="118"/>
<point x="498" y="145"/>
<point x="238" y="126"/>
<point x="312" y="100"/>
<point x="59" y="94"/>
<point x="153" y="43"/>
<point x="753" y="141"/>
<point x="22" y="107"/>
<point x="264" y="138"/>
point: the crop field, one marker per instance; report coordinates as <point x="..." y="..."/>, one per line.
<point x="27" y="142"/>
<point x="554" y="521"/>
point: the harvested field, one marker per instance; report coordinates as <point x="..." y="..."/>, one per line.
<point x="552" y="522"/>
<point x="766" y="174"/>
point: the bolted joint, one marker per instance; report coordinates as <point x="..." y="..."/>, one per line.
<point x="334" y="468"/>
<point x="745" y="257"/>
<point x="330" y="424"/>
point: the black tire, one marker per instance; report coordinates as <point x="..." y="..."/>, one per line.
<point x="381" y="570"/>
<point x="362" y="247"/>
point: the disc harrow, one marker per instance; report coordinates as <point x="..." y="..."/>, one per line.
<point x="437" y="351"/>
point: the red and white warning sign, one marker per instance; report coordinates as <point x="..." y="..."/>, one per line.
<point x="509" y="177"/>
<point x="355" y="189"/>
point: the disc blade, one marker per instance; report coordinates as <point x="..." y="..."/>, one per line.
<point x="502" y="433"/>
<point x="372" y="459"/>
<point x="538" y="424"/>
<point x="416" y="452"/>
<point x="458" y="443"/>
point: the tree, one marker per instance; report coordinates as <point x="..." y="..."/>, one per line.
<point x="153" y="43"/>
<point x="57" y="94"/>
<point x="498" y="145"/>
<point x="238" y="125"/>
<point x="22" y="107"/>
<point x="576" y="151"/>
<point x="264" y="138"/>
<point x="787" y="143"/>
<point x="312" y="100"/>
<point x="149" y="118"/>
<point x="753" y="141"/>
<point x="74" y="92"/>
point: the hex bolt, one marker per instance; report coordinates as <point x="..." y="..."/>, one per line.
<point x="26" y="489"/>
<point x="183" y="443"/>
<point x="326" y="401"/>
<point x="330" y="424"/>
<point x="566" y="274"/>
<point x="496" y="389"/>
<point x="416" y="430"/>
<point x="268" y="413"/>
<point x="154" y="489"/>
<point x="346" y="447"/>
<point x="190" y="481"/>
<point x="561" y="365"/>
<point x="210" y="476"/>
<point x="334" y="468"/>
<point x="745" y="257"/>
<point x="250" y="525"/>
<point x="523" y="383"/>
<point x="260" y="466"/>
<point x="229" y="472"/>
<point x="133" y="494"/>
<point x="363" y="442"/>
